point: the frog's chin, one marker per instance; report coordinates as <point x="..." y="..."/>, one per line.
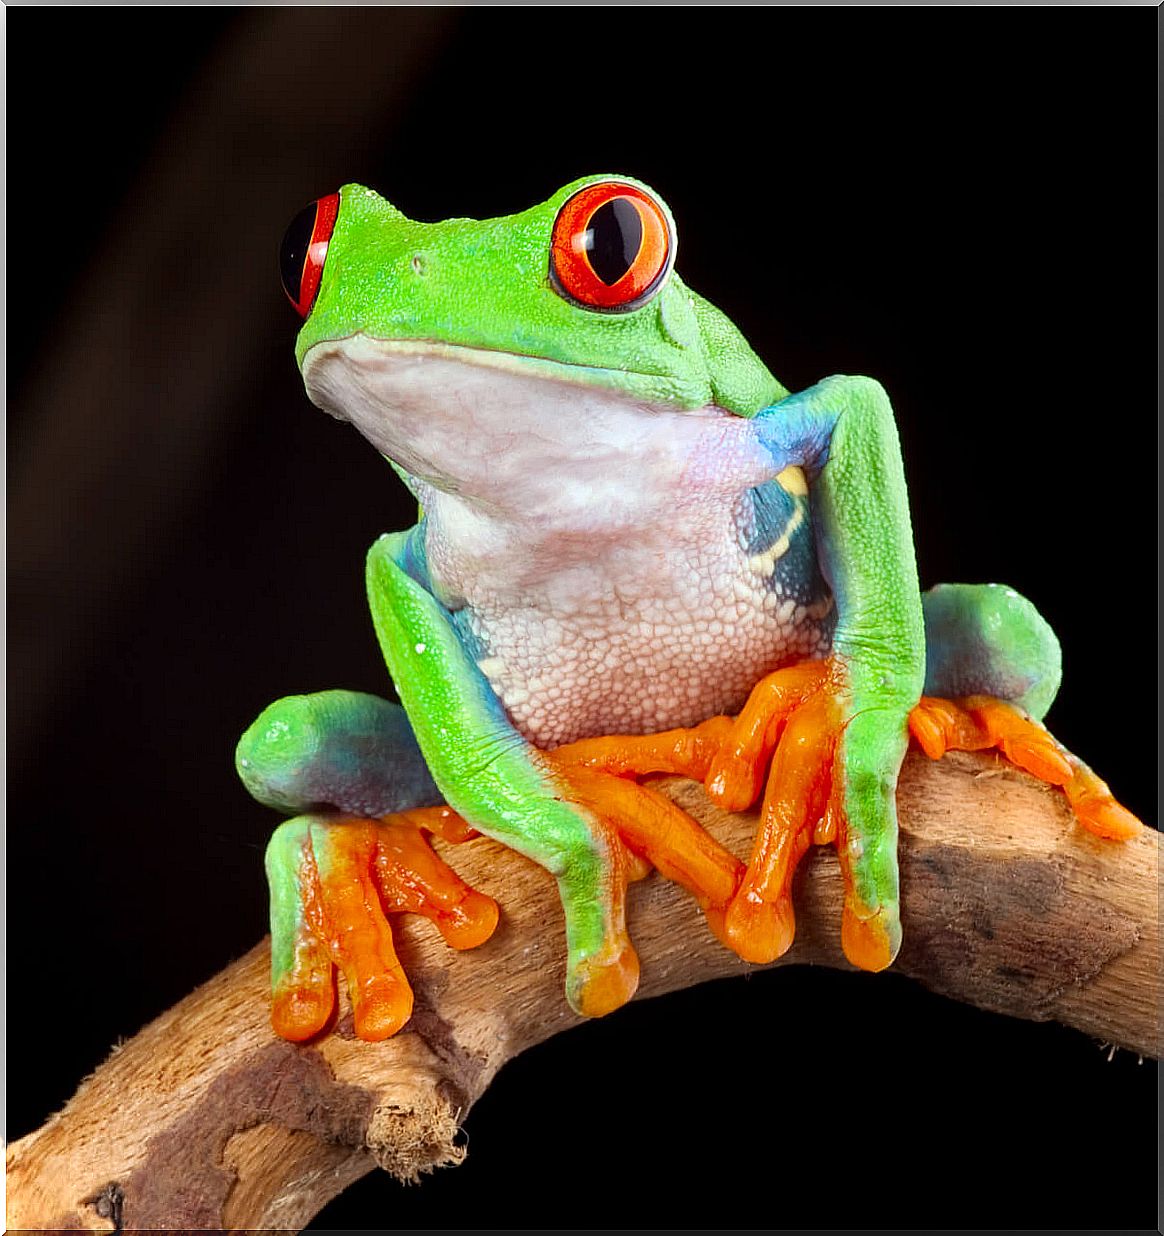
<point x="483" y="424"/>
<point x="655" y="391"/>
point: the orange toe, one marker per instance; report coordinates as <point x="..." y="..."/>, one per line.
<point x="980" y="721"/>
<point x="866" y="941"/>
<point x="927" y="728"/>
<point x="413" y="879"/>
<point x="654" y="828"/>
<point x="1096" y="809"/>
<point x="380" y="1006"/>
<point x="606" y="984"/>
<point x="299" y="1013"/>
<point x="759" y="924"/>
<point x="471" y="922"/>
<point x="681" y="752"/>
<point x="1024" y="742"/>
<point x="736" y="775"/>
<point x="756" y="930"/>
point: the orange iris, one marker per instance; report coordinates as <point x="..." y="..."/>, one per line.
<point x="612" y="246"/>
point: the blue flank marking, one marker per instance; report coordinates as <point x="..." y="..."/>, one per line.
<point x="414" y="559"/>
<point x="773" y="506"/>
<point x="797" y="431"/>
<point x="797" y="575"/>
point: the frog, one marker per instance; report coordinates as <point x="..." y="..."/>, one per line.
<point x="637" y="554"/>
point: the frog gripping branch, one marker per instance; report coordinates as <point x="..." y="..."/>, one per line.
<point x="639" y="555"/>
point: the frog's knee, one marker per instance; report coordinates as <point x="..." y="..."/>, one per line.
<point x="986" y="639"/>
<point x="276" y="750"/>
<point x="334" y="749"/>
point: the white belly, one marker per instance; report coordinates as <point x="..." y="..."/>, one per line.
<point x="591" y="655"/>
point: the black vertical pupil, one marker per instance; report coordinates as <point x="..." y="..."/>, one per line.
<point x="613" y="239"/>
<point x="293" y="251"/>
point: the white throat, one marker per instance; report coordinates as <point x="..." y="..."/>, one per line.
<point x="523" y="471"/>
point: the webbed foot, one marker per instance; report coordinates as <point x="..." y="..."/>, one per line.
<point x="981" y="722"/>
<point x="334" y="880"/>
<point x="830" y="772"/>
<point x="831" y="779"/>
<point x="644" y="830"/>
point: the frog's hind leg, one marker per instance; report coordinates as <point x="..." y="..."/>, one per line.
<point x="992" y="671"/>
<point x="602" y="774"/>
<point x="335" y="750"/>
<point x="986" y="639"/>
<point x="351" y="761"/>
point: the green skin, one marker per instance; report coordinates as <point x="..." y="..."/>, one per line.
<point x="463" y="284"/>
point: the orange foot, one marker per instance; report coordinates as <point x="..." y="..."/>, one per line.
<point x="651" y="831"/>
<point x="794" y="722"/>
<point x="792" y="741"/>
<point x="333" y="882"/>
<point x="980" y="722"/>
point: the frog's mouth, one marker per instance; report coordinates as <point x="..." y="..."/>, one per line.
<point x="659" y="392"/>
<point x="496" y="425"/>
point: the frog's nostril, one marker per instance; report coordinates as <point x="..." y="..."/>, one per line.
<point x="303" y="250"/>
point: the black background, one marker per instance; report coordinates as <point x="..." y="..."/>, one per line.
<point x="959" y="202"/>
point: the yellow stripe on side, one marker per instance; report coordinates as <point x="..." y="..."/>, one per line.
<point x="792" y="481"/>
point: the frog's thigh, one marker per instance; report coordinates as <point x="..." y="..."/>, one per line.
<point x="986" y="639"/>
<point x="340" y="749"/>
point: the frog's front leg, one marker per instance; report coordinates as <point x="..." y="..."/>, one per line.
<point x="838" y="729"/>
<point x="560" y="814"/>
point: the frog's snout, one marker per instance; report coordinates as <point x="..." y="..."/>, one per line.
<point x="304" y="248"/>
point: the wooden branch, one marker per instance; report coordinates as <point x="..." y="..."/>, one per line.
<point x="205" y="1120"/>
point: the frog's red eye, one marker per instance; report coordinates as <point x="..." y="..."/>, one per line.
<point x="612" y="247"/>
<point x="303" y="249"/>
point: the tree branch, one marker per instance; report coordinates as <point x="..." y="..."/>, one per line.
<point x="1007" y="905"/>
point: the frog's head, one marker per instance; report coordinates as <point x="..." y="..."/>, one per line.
<point x="575" y="300"/>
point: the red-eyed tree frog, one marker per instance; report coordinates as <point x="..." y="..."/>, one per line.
<point x="629" y="528"/>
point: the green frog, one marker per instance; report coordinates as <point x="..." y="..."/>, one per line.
<point x="638" y="553"/>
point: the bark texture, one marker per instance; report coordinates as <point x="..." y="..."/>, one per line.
<point x="206" y="1120"/>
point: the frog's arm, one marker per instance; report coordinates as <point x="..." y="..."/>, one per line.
<point x="490" y="775"/>
<point x="837" y="730"/>
<point x="346" y="758"/>
<point x="841" y="432"/>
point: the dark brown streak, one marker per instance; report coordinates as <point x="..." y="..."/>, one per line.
<point x="977" y="924"/>
<point x="183" y="1180"/>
